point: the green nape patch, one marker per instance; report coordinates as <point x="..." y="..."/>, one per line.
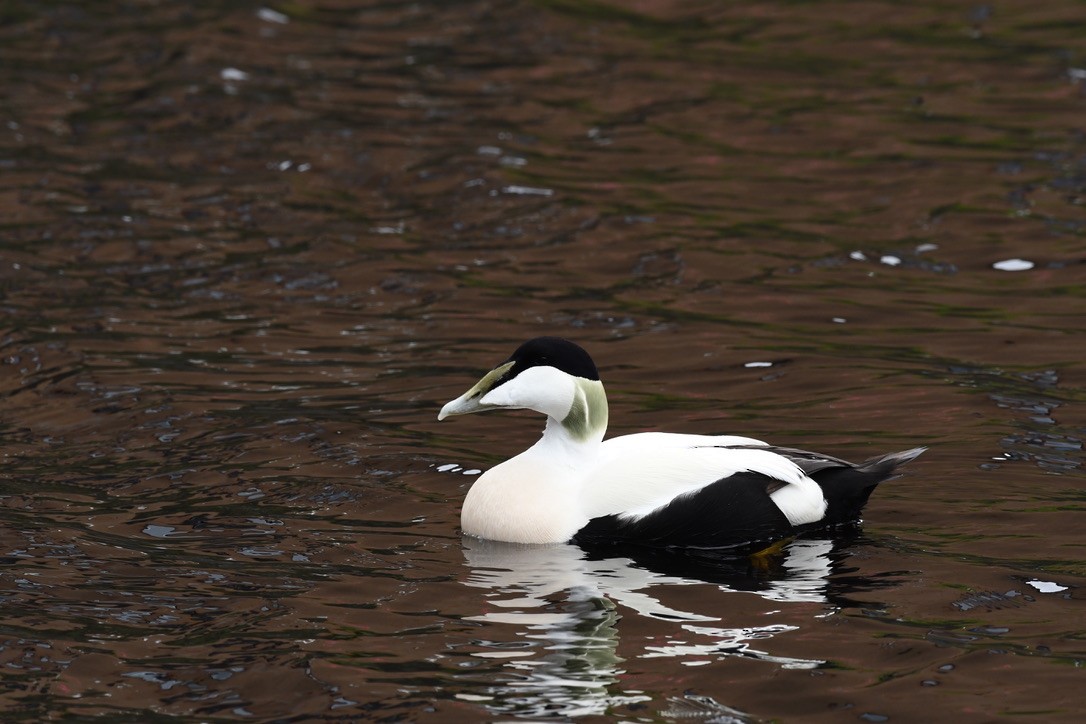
<point x="588" y="414"/>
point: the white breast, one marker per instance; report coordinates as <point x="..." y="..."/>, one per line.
<point x="526" y="499"/>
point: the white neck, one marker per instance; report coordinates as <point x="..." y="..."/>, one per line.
<point x="559" y="445"/>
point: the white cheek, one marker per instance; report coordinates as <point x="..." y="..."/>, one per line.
<point x="543" y="389"/>
<point x="503" y="396"/>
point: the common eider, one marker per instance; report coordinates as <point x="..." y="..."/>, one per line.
<point x="649" y="488"/>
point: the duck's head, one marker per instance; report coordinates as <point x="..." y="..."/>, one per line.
<point x="550" y="375"/>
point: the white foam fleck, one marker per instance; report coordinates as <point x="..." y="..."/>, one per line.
<point x="857" y="256"/>
<point x="272" y="16"/>
<point x="397" y="229"/>
<point x="527" y="191"/>
<point x="890" y="260"/>
<point x="758" y="364"/>
<point x="1047" y="586"/>
<point x="234" y="74"/>
<point x="1013" y="265"/>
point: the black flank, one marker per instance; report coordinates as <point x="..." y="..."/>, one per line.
<point x="733" y="511"/>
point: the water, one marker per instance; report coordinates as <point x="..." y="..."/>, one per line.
<point x="249" y="250"/>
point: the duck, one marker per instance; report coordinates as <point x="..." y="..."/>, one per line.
<point x="658" y="489"/>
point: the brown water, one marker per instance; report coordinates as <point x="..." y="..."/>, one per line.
<point x="248" y="251"/>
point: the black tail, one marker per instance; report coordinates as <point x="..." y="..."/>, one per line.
<point x="848" y="486"/>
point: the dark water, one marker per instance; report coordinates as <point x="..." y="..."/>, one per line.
<point x="247" y="251"/>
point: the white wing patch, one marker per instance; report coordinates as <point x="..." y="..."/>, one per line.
<point x="802" y="502"/>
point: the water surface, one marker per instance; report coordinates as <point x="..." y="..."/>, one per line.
<point x="247" y="251"/>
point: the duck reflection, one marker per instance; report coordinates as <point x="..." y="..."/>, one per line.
<point x="566" y="602"/>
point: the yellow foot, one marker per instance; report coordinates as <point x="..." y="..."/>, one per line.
<point x="762" y="559"/>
